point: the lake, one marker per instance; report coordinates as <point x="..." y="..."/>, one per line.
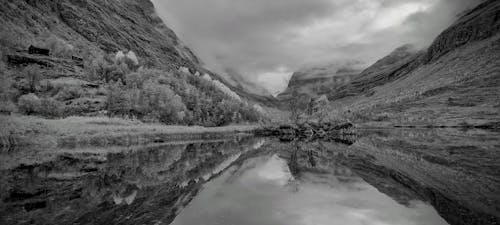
<point x="398" y="176"/>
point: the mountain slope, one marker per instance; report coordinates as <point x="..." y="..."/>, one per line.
<point x="93" y="28"/>
<point x="111" y="57"/>
<point x="97" y="26"/>
<point x="239" y="80"/>
<point x="318" y="80"/>
<point x="383" y="71"/>
<point x="456" y="81"/>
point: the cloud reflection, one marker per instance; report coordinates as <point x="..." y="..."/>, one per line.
<point x="259" y="192"/>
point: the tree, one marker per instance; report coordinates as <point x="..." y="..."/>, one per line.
<point x="69" y="92"/>
<point x="118" y="102"/>
<point x="50" y="108"/>
<point x="227" y="112"/>
<point x="6" y="91"/>
<point x="32" y="76"/>
<point x="298" y="104"/>
<point x="164" y="103"/>
<point x="29" y="104"/>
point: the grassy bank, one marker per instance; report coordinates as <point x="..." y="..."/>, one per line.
<point x="21" y="131"/>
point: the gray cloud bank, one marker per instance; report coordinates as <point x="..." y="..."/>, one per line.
<point x="266" y="40"/>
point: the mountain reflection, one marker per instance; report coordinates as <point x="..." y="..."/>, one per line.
<point x="263" y="191"/>
<point x="399" y="177"/>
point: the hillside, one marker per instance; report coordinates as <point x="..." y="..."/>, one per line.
<point x="383" y="71"/>
<point x="93" y="45"/>
<point x="456" y="81"/>
<point x="94" y="27"/>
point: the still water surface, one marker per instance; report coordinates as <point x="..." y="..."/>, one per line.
<point x="400" y="177"/>
<point x="263" y="191"/>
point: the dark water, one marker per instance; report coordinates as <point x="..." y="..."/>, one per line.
<point x="400" y="177"/>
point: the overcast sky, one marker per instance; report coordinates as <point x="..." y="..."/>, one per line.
<point x="266" y="40"/>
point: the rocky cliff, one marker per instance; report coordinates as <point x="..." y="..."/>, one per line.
<point x="453" y="82"/>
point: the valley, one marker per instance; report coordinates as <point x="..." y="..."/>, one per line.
<point x="108" y="117"/>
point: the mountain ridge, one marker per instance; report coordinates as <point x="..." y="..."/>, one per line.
<point x="454" y="82"/>
<point x="314" y="81"/>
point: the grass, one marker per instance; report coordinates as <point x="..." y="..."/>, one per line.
<point x="18" y="130"/>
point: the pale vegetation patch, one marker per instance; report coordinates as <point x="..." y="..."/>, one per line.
<point x="59" y="47"/>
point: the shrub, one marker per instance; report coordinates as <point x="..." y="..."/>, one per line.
<point x="82" y="106"/>
<point x="69" y="92"/>
<point x="7" y="92"/>
<point x="249" y="114"/>
<point x="22" y="86"/>
<point x="134" y="80"/>
<point x="7" y="107"/>
<point x="51" y="108"/>
<point x="59" y="47"/>
<point x="46" y="86"/>
<point x="29" y="104"/>
<point x="104" y="69"/>
<point x="94" y="68"/>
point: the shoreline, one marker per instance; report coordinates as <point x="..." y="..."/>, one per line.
<point x="20" y="131"/>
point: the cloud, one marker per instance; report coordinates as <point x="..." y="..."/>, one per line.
<point x="266" y="40"/>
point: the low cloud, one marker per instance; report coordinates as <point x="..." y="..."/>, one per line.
<point x="266" y="40"/>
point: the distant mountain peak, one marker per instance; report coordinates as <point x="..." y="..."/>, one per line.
<point x="315" y="79"/>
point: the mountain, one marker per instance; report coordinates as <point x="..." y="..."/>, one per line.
<point x="456" y="81"/>
<point x="315" y="81"/>
<point x="66" y="58"/>
<point x="239" y="80"/>
<point x="383" y="71"/>
<point x="93" y="28"/>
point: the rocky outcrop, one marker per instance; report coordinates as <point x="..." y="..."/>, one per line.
<point x="478" y="24"/>
<point x="341" y="133"/>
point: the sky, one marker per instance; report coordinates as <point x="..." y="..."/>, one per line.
<point x="265" y="41"/>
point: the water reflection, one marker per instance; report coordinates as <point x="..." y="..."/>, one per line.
<point x="136" y="185"/>
<point x="263" y="191"/>
<point x="384" y="177"/>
